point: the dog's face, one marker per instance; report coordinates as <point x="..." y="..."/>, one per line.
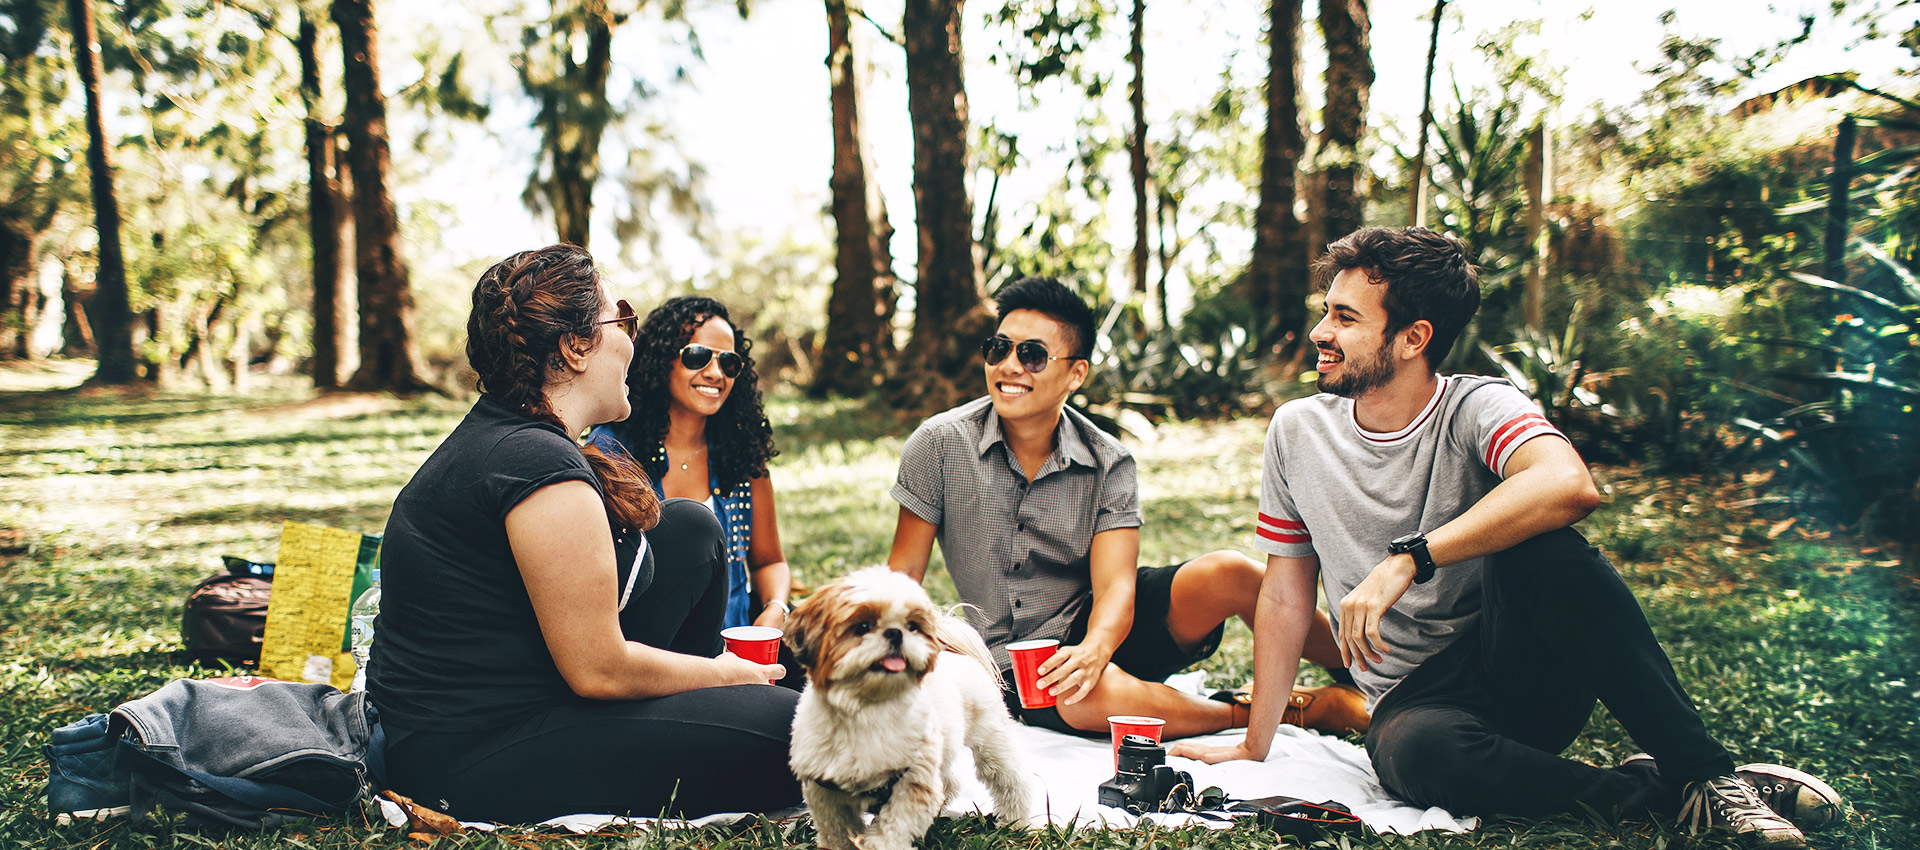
<point x="871" y="632"/>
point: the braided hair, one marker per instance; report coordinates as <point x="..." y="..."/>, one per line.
<point x="524" y="308"/>
<point x="739" y="432"/>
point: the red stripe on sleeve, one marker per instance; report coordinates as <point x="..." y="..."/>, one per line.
<point x="1526" y="431"/>
<point x="1282" y="523"/>
<point x="1507" y="431"/>
<point x="1278" y="537"/>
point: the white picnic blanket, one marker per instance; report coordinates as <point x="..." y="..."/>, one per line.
<point x="1069" y="771"/>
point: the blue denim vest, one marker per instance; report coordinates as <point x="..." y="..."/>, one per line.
<point x="734" y="509"/>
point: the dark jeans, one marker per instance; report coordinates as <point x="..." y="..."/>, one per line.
<point x="1477" y="728"/>
<point x="692" y="753"/>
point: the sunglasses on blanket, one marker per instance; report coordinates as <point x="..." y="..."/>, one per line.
<point x="696" y="357"/>
<point x="1032" y="354"/>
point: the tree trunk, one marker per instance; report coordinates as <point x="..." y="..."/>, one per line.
<point x="574" y="113"/>
<point x="324" y="220"/>
<point x="1137" y="144"/>
<point x="1417" y="189"/>
<point x="110" y="310"/>
<point x="17" y="250"/>
<point x="859" y="334"/>
<point x="1538" y="175"/>
<point x="1277" y="276"/>
<point x="1348" y="33"/>
<point x="388" y="359"/>
<point x="947" y="315"/>
<point x="76" y="336"/>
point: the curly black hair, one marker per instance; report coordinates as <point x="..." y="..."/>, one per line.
<point x="740" y="434"/>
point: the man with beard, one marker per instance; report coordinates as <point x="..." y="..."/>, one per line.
<point x="1436" y="509"/>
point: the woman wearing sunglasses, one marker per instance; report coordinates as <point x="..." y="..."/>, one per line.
<point x="699" y="431"/>
<point x="549" y="641"/>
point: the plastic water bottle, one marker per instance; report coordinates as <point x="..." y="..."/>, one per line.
<point x="361" y="617"/>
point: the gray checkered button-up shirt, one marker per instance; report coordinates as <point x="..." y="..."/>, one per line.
<point x="1017" y="551"/>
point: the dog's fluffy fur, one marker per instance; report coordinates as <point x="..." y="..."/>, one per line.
<point x="894" y="689"/>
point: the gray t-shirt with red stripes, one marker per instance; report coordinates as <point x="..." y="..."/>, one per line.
<point x="1333" y="489"/>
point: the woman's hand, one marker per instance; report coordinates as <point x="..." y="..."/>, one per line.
<point x="774" y="615"/>
<point x="739" y="671"/>
<point x="1217" y="754"/>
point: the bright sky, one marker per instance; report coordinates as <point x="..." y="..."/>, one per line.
<point x="756" y="114"/>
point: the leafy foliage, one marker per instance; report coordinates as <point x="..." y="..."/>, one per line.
<point x="1795" y="642"/>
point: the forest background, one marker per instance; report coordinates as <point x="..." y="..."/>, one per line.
<point x="1698" y="255"/>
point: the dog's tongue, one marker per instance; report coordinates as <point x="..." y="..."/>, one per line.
<point x="893" y="663"/>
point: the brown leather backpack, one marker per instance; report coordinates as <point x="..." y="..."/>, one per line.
<point x="226" y="614"/>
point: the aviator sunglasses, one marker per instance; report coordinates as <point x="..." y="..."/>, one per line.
<point x="1033" y="355"/>
<point x="696" y="357"/>
<point x="628" y="321"/>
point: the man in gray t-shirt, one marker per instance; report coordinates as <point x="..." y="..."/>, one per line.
<point x="1037" y="512"/>
<point x="1435" y="512"/>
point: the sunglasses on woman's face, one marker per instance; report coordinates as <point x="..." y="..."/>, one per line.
<point x="1033" y="355"/>
<point x="696" y="357"/>
<point x="628" y="321"/>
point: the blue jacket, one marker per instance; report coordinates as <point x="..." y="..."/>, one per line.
<point x="242" y="750"/>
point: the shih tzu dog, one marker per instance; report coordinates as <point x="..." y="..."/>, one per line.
<point x="895" y="688"/>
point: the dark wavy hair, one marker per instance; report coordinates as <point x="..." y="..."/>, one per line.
<point x="524" y="308"/>
<point x="1050" y="298"/>
<point x="739" y="432"/>
<point x="1427" y="275"/>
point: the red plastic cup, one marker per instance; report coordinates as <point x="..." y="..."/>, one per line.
<point x="1028" y="655"/>
<point x="1133" y="724"/>
<point x="759" y="644"/>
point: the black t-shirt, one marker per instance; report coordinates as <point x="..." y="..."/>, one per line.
<point x="457" y="646"/>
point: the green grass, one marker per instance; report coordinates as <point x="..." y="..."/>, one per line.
<point x="1799" y="644"/>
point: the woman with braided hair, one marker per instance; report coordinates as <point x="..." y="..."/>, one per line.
<point x="699" y="431"/>
<point x="549" y="634"/>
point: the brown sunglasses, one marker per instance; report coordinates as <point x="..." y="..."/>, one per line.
<point x="628" y="321"/>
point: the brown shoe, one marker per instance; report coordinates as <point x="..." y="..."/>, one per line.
<point x="1332" y="708"/>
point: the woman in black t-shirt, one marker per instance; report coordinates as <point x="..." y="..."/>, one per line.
<point x="549" y="635"/>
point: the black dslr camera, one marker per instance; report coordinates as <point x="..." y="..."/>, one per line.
<point x="1144" y="782"/>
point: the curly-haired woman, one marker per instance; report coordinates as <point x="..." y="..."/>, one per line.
<point x="549" y="637"/>
<point x="699" y="431"/>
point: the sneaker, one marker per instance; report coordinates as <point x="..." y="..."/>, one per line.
<point x="1728" y="802"/>
<point x="1796" y="796"/>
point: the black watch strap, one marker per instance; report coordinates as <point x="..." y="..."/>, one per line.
<point x="1414" y="544"/>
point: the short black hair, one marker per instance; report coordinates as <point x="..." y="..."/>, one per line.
<point x="1427" y="275"/>
<point x="1052" y="299"/>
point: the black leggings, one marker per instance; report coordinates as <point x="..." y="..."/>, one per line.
<point x="693" y="753"/>
<point x="1477" y="728"/>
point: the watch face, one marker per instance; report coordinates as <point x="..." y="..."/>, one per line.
<point x="1403" y="541"/>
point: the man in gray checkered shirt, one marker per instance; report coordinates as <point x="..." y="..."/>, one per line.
<point x="1037" y="512"/>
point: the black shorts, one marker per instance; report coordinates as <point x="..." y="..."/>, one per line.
<point x="1149" y="653"/>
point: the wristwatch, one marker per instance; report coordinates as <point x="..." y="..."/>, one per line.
<point x="1414" y="544"/>
<point x="780" y="603"/>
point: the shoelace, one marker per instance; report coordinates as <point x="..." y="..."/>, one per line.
<point x="1733" y="801"/>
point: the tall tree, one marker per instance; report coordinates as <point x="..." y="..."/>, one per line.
<point x="389" y="359"/>
<point x="947" y="297"/>
<point x="1137" y="142"/>
<point x="1345" y="26"/>
<point x="325" y="223"/>
<point x="1417" y="189"/>
<point x="570" y="85"/>
<point x="111" y="313"/>
<point x="1277" y="274"/>
<point x="859" y="332"/>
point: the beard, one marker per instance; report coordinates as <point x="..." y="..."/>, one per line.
<point x="1357" y="377"/>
